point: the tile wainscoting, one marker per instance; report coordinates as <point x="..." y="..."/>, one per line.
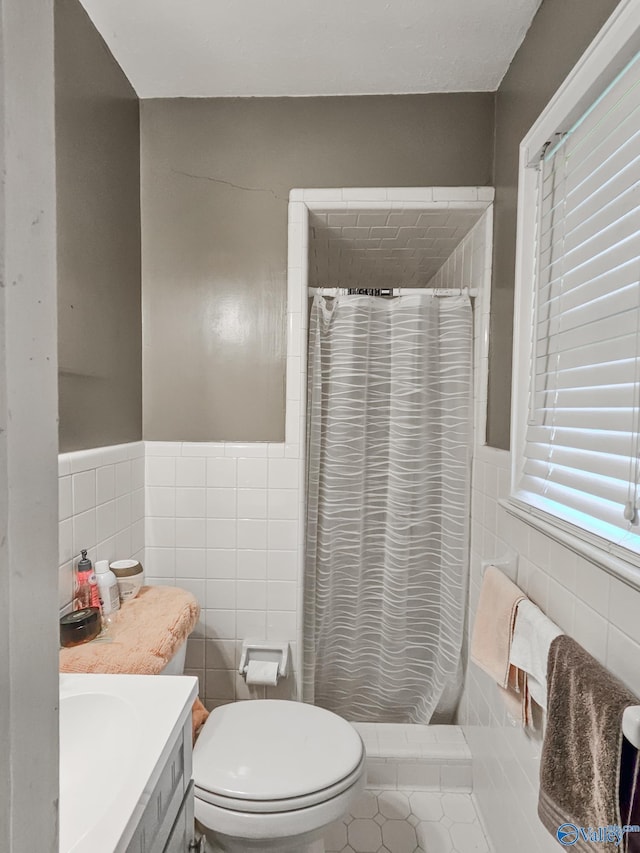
<point x="598" y="610"/>
<point x="100" y="507"/>
<point x="224" y="521"/>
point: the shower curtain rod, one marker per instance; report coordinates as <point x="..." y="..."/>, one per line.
<point x="393" y="291"/>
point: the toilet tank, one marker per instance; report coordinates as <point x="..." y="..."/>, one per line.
<point x="176" y="664"/>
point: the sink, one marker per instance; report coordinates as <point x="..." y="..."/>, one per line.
<point x="116" y="733"/>
<point x="98" y="733"/>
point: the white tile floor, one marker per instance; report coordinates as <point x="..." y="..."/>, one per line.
<point x="409" y="822"/>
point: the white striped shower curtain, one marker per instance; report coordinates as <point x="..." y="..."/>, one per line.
<point x="389" y="433"/>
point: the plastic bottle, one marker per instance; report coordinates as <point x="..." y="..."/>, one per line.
<point x="107" y="588"/>
<point x="86" y="584"/>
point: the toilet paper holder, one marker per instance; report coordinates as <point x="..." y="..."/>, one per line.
<point x="264" y="651"/>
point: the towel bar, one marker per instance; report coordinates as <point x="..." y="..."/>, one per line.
<point x="631" y="725"/>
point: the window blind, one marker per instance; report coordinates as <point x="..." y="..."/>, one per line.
<point x="582" y="438"/>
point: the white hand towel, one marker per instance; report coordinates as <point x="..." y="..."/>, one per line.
<point x="532" y="636"/>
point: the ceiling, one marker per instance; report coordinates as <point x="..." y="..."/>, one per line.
<point x="366" y="248"/>
<point x="241" y="48"/>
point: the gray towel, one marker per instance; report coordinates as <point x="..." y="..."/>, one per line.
<point x="581" y="753"/>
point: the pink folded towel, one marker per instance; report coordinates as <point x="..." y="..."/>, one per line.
<point x="493" y="628"/>
<point x="143" y="635"/>
<point x="142" y="638"/>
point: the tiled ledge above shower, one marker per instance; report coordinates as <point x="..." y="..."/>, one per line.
<point x="431" y="758"/>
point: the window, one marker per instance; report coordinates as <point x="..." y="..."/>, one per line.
<point x="577" y="424"/>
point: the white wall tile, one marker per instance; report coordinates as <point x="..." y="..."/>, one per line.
<point x="221" y="594"/>
<point x="191" y="533"/>
<point x="220" y="624"/>
<point x="123" y="478"/>
<point x="105" y="483"/>
<point x="161" y="562"/>
<point x="221" y="503"/>
<point x="161" y="501"/>
<point x="221" y="532"/>
<point x="282" y="565"/>
<point x="283" y="503"/>
<point x="252" y="473"/>
<point x="161" y="471"/>
<point x="221" y="563"/>
<point x="84" y="491"/>
<point x="191" y="472"/>
<point x="221" y="473"/>
<point x="283" y="535"/>
<point x="191" y="562"/>
<point x="191" y="503"/>
<point x="84" y="531"/>
<point x="65" y="498"/>
<point x="252" y="565"/>
<point x="252" y="503"/>
<point x="123" y="512"/>
<point x="251" y="595"/>
<point x="252" y="534"/>
<point x="251" y="623"/>
<point x="160" y="532"/>
<point x="282" y="595"/>
<point x="105" y="521"/>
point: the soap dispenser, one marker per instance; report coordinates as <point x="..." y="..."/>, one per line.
<point x="86" y="584"/>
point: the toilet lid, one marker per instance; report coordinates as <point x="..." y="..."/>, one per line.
<point x="270" y="749"/>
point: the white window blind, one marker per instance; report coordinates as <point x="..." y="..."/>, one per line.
<point x="582" y="437"/>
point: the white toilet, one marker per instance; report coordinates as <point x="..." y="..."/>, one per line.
<point x="272" y="775"/>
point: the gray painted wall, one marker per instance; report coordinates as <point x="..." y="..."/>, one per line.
<point x="28" y="433"/>
<point x="98" y="180"/>
<point x="216" y="174"/>
<point x="559" y="34"/>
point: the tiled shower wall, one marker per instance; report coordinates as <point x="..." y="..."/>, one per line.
<point x="101" y="508"/>
<point x="223" y="521"/>
<point x="469" y="266"/>
<point x="598" y="610"/>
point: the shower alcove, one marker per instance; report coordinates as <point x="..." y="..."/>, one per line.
<point x="377" y="238"/>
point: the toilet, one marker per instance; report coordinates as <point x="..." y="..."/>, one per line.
<point x="269" y="775"/>
<point x="272" y="775"/>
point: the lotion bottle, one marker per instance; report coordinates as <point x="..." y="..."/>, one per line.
<point x="107" y="588"/>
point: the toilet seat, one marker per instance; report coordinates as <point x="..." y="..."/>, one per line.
<point x="267" y="756"/>
<point x="286" y="805"/>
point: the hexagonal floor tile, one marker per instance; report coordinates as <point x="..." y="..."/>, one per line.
<point x="335" y="838"/>
<point x="365" y="806"/>
<point x="394" y="805"/>
<point x="364" y="836"/>
<point x="434" y="838"/>
<point x="459" y="808"/>
<point x="399" y="836"/>
<point x="426" y="806"/>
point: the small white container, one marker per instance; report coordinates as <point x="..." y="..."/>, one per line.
<point x="107" y="588"/>
<point x="130" y="577"/>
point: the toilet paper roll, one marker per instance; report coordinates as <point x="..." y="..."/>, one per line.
<point x="262" y="672"/>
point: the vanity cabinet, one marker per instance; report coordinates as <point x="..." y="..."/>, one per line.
<point x="165" y="823"/>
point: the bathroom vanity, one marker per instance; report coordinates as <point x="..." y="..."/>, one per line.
<point x="125" y="763"/>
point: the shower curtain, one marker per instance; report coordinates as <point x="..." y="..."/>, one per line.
<point x="388" y="455"/>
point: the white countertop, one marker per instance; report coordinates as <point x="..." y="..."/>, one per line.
<point x="116" y="732"/>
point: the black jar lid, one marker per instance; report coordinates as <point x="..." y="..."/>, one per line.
<point x="80" y="626"/>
